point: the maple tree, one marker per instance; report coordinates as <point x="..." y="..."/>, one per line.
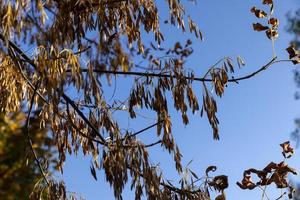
<point x="79" y="44"/>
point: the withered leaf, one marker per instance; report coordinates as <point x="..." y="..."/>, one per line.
<point x="274" y="22"/>
<point x="287" y="150"/>
<point x="259" y="27"/>
<point x="259" y="13"/>
<point x="296" y="60"/>
<point x="93" y="171"/>
<point x="231" y="67"/>
<point x="246" y="183"/>
<point x="194" y="174"/>
<point x="210" y="169"/>
<point x="292" y="51"/>
<point x="291" y="192"/>
<point x="269" y="2"/>
<point x="221" y="197"/>
<point x="224" y="76"/>
<point x="219" y="183"/>
<point x="240" y="61"/>
<point x="272" y="34"/>
<point x="293" y="54"/>
<point x="201" y="112"/>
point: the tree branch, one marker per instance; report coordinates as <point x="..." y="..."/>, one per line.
<point x="153" y="144"/>
<point x="159" y="75"/>
<point x="145" y="129"/>
<point x="77" y="129"/>
<point x="68" y="100"/>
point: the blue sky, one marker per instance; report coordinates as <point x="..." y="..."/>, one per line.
<point x="255" y="115"/>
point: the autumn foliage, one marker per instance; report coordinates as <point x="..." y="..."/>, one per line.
<point x="80" y="47"/>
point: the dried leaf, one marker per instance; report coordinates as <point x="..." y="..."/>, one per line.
<point x="93" y="171"/>
<point x="292" y="51"/>
<point x="210" y="169"/>
<point x="240" y="61"/>
<point x="259" y="13"/>
<point x="221" y="197"/>
<point x="268" y="2"/>
<point x="287" y="150"/>
<point x="274" y="22"/>
<point x="219" y="183"/>
<point x="272" y="34"/>
<point x="259" y="27"/>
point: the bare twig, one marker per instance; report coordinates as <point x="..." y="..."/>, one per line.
<point x="159" y="75"/>
<point x="153" y="144"/>
<point x="145" y="129"/>
<point x="281" y="196"/>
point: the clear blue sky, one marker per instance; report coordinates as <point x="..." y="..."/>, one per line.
<point x="255" y="115"/>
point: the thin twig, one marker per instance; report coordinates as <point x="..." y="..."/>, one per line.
<point x="159" y="75"/>
<point x="282" y="195"/>
<point x="153" y="144"/>
<point x="146" y="146"/>
<point x="264" y="193"/>
<point x="145" y="129"/>
<point x="29" y="138"/>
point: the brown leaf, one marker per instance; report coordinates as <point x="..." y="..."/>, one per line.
<point x="93" y="172"/>
<point x="272" y="34"/>
<point x="259" y="27"/>
<point x="219" y="183"/>
<point x="292" y="51"/>
<point x="296" y="60"/>
<point x="274" y="22"/>
<point x="248" y="182"/>
<point x="221" y="197"/>
<point x="224" y="76"/>
<point x="210" y="169"/>
<point x="231" y="67"/>
<point x="291" y="192"/>
<point x="287" y="150"/>
<point x="240" y="62"/>
<point x="259" y="13"/>
<point x="268" y="2"/>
